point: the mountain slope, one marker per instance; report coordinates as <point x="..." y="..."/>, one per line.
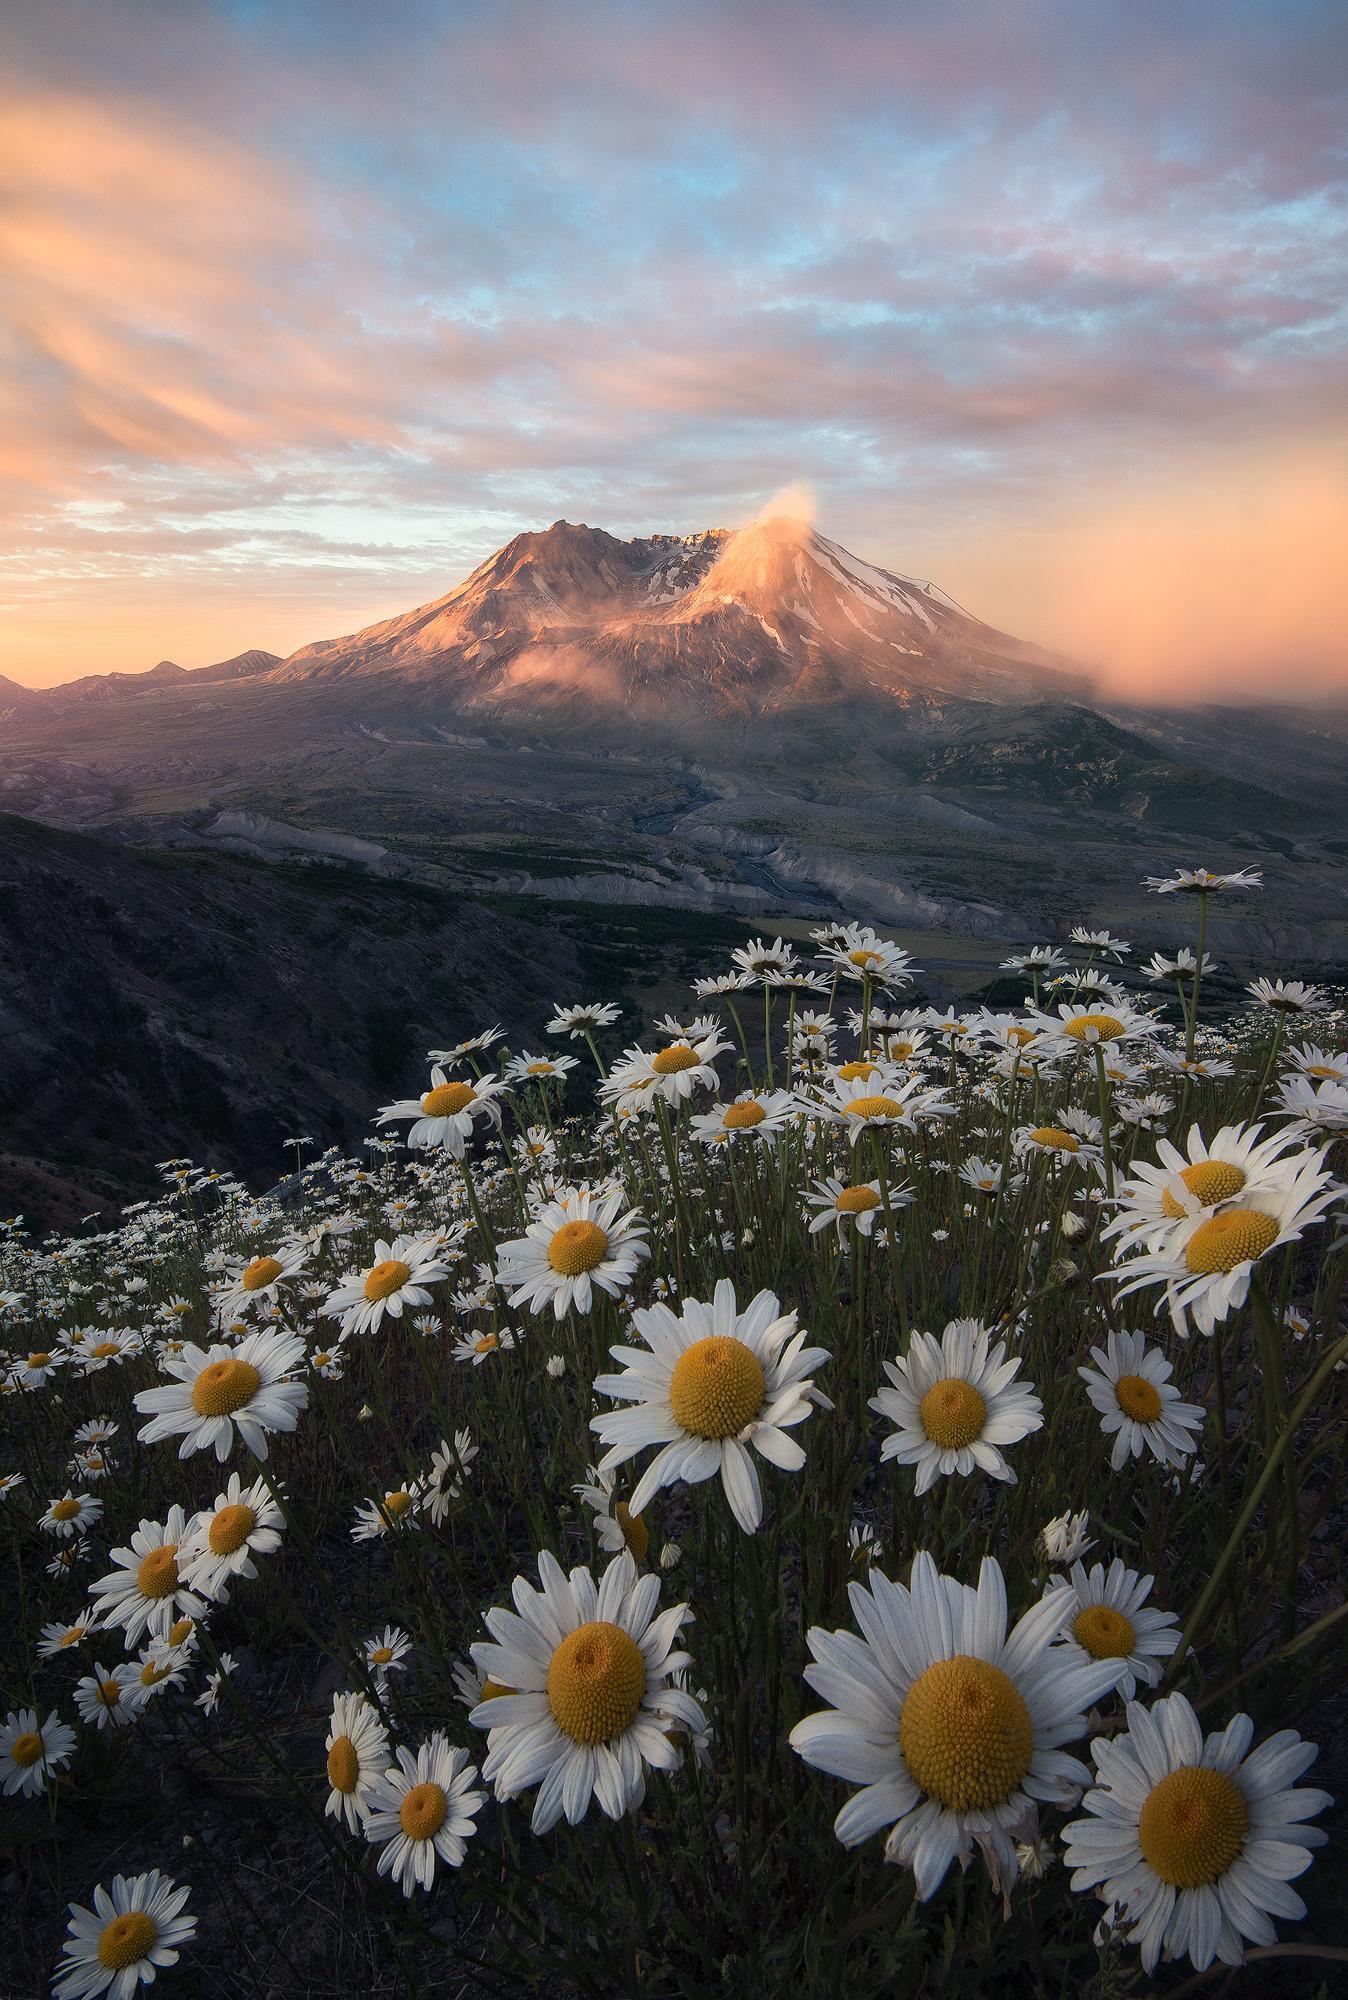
<point x="760" y="619"/>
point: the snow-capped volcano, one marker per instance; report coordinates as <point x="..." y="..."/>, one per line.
<point x="768" y="617"/>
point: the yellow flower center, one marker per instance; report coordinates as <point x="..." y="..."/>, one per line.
<point x="965" y="1733"/>
<point x="386" y="1277"/>
<point x="126" y="1940"/>
<point x="157" y="1575"/>
<point x="953" y="1413"/>
<point x="230" y="1529"/>
<point x="671" y="1060"/>
<point x="541" y="1068"/>
<point x="446" y="1099"/>
<point x="577" y="1247"/>
<point x="343" y="1765"/>
<point x="398" y="1503"/>
<point x="1138" y="1398"/>
<point x="858" y="1067"/>
<point x="65" y="1510"/>
<point x="1234" y="1237"/>
<point x="180" y="1631"/>
<point x="857" y="1200"/>
<point x="1105" y="1633"/>
<point x="1054" y="1137"/>
<point x="1094" y="1028"/>
<point x="110" y="1693"/>
<point x="596" y="1679"/>
<point x="73" y="1636"/>
<point x="1323" y="1069"/>
<point x="1192" y="1826"/>
<point x="261" y="1272"/>
<point x="155" y="1671"/>
<point x="224" y="1386"/>
<point x="492" y="1690"/>
<point x="39" y="1360"/>
<point x="487" y="1343"/>
<point x="422" y="1812"/>
<point x="1209" y="1182"/>
<point x="737" y="1116"/>
<point x="874" y="1107"/>
<point x="717" y="1387"/>
<point x="1020" y="1036"/>
<point x="26" y="1749"/>
<point x="105" y="1349"/>
<point x="864" y="958"/>
<point x="634" y="1530"/>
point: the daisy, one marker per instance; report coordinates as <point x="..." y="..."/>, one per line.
<point x="577" y="1242"/>
<point x="1202" y="882"/>
<point x="765" y="963"/>
<point x="477" y="1348"/>
<point x="398" y="1278"/>
<point x="30" y="1752"/>
<point x="242" y="1522"/>
<point x="60" y="1637"/>
<point x="856" y="1202"/>
<point x="671" y="1074"/>
<point x="10" y="1482"/>
<point x="443" y="1484"/>
<point x="445" y="1114"/>
<point x="421" y="1810"/>
<point x="1194" y="1839"/>
<point x="357" y="1747"/>
<point x="538" y="1069"/>
<point x="209" y="1698"/>
<point x="221" y="1390"/>
<point x="133" y="1932"/>
<point x="387" y="1653"/>
<point x="1207" y="1266"/>
<point x="1237" y="1165"/>
<point x="1179" y="966"/>
<point x="1087" y="1026"/>
<point x="376" y="1518"/>
<point x="860" y="954"/>
<point x="1131" y="1388"/>
<point x="950" y="1725"/>
<point x="106" y="1348"/>
<point x="591" y="1698"/>
<point x="1094" y="941"/>
<point x="616" y="1525"/>
<point x="582" y="1020"/>
<point x="1287" y="996"/>
<point x="70" y="1515"/>
<point x="1074" y="1137"/>
<point x="256" y="1282"/>
<point x="146" y="1591"/>
<point x="469" y="1047"/>
<point x="1317" y="1110"/>
<point x="710" y="1382"/>
<point x="30" y="1371"/>
<point x="985" y="1176"/>
<point x="110" y="1697"/>
<point x="161" y="1666"/>
<point x="954" y="1402"/>
<point x="1318" y="1064"/>
<point x="1065" y="1539"/>
<point x="751" y="1116"/>
<point x="1105" y="1617"/>
<point x="878" y="1102"/>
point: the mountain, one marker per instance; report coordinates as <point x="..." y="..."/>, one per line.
<point x="758" y="620"/>
<point x="165" y="674"/>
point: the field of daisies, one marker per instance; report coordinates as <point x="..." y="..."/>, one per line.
<point x="815" y="1496"/>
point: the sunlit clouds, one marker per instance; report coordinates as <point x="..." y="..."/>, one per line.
<point x="306" y="310"/>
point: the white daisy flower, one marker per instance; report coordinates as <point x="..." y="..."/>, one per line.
<point x="860" y="954"/>
<point x="765" y="963"/>
<point x="132" y="1933"/>
<point x="30" y="1371"/>
<point x="468" y="1047"/>
<point x="1317" y="1110"/>
<point x="1065" y="1538"/>
<point x="58" y="1637"/>
<point x="1098" y="941"/>
<point x="1202" y="881"/>
<point x="221" y="1390"/>
<point x="1320" y="1065"/>
<point x="710" y="1382"/>
<point x="1085" y="1027"/>
<point x="70" y="1515"/>
<point x="954" y="1402"/>
<point x="242" y="1522"/>
<point x="1287" y="996"/>
<point x="445" y="1114"/>
<point x="859" y="1203"/>
<point x="880" y="1101"/>
<point x="758" y="1116"/>
<point x="577" y="1242"/>
<point x="1237" y="1165"/>
<point x="475" y="1348"/>
<point x="396" y="1280"/>
<point x="376" y="1518"/>
<point x="951" y="1726"/>
<point x="1074" y="1138"/>
<point x="436" y="1492"/>
<point x="257" y="1282"/>
<point x="387" y="1653"/>
<point x="591" y="1699"/>
<point x="672" y="1073"/>
<point x="110" y="1697"/>
<point x="616" y="1525"/>
<point x="30" y="1752"/>
<point x="1194" y="1839"/>
<point x="146" y="1591"/>
<point x="1140" y="1405"/>
<point x="540" y="1069"/>
<point x="421" y="1811"/>
<point x="1105" y="1617"/>
<point x="583" y="1019"/>
<point x="1207" y="1266"/>
<point x="357" y="1747"/>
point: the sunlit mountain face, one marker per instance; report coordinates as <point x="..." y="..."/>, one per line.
<point x="770" y="617"/>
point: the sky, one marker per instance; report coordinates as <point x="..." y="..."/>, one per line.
<point x="305" y="308"/>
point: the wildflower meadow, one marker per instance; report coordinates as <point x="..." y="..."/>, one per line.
<point x="819" y="1495"/>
